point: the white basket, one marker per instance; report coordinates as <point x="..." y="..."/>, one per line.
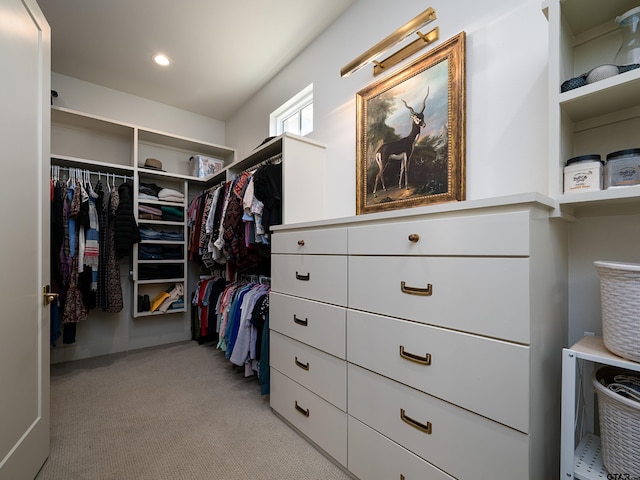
<point x="620" y="297"/>
<point x="619" y="427"/>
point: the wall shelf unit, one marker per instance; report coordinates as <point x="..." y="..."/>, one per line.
<point x="601" y="117"/>
<point x="86" y="141"/>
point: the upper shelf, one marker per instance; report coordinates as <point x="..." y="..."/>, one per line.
<point x="610" y="95"/>
<point x="268" y="150"/>
<point x="592" y="348"/>
<point x="584" y="15"/>
<point x="86" y="140"/>
<point x="187" y="144"/>
<point x="612" y="201"/>
<point x="73" y="119"/>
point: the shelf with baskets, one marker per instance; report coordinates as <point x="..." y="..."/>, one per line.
<point x="581" y="455"/>
<point x="597" y="118"/>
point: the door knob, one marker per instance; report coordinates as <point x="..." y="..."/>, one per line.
<point x="48" y="296"/>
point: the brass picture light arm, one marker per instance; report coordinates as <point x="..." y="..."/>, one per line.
<point x="412" y="26"/>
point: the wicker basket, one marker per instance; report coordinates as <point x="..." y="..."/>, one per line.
<point x="620" y="297"/>
<point x="619" y="425"/>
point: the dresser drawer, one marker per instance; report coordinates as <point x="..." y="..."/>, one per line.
<point x="487" y="296"/>
<point x="317" y="277"/>
<point x="470" y="371"/>
<point x="316" y="418"/>
<point x="374" y="457"/>
<point x="328" y="241"/>
<point x="463" y="444"/>
<point x="320" y="325"/>
<point x="320" y="372"/>
<point x="489" y="234"/>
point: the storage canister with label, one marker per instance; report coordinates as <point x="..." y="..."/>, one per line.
<point x="583" y="174"/>
<point x="623" y="168"/>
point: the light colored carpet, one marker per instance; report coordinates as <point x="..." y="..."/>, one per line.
<point x="170" y="413"/>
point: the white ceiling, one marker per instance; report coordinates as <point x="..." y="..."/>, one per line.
<point x="222" y="51"/>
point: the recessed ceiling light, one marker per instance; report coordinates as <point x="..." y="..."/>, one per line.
<point x="161" y="59"/>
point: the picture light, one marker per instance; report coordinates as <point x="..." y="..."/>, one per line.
<point x="409" y="28"/>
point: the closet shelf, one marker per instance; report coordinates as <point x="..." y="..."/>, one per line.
<point x="588" y="459"/>
<point x="160" y="280"/>
<point x="155" y="262"/>
<point x="75" y="162"/>
<point x="612" y="201"/>
<point x="145" y="172"/>
<point x="164" y="242"/>
<point x="146" y="201"/>
<point x="159" y="222"/>
<point x="156" y="313"/>
<point x="607" y="96"/>
<point x="170" y="141"/>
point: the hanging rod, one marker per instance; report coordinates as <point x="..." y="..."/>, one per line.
<point x="92" y="172"/>
<point x="271" y="160"/>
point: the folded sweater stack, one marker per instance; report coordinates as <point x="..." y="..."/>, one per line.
<point x="170" y="195"/>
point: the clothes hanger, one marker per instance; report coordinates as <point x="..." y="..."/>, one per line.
<point x="89" y="186"/>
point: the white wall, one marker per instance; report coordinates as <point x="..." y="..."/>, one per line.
<point x="506" y="92"/>
<point x="115" y="105"/>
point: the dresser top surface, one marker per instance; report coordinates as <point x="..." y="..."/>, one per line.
<point x="485" y="205"/>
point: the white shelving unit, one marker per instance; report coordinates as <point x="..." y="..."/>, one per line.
<point x="580" y="455"/>
<point x="86" y="141"/>
<point x="600" y="118"/>
<point x="153" y="286"/>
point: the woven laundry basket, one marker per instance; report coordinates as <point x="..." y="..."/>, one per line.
<point x="620" y="297"/>
<point x="619" y="424"/>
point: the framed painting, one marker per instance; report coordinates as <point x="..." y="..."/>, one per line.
<point x="411" y="133"/>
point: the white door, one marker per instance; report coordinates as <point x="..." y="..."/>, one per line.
<point x="25" y="45"/>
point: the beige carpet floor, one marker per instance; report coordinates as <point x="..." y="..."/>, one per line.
<point x="170" y="413"/>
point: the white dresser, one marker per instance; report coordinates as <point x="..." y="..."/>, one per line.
<point x="307" y="318"/>
<point x="437" y="335"/>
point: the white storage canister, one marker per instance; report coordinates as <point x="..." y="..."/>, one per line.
<point x="583" y="174"/>
<point x="623" y="168"/>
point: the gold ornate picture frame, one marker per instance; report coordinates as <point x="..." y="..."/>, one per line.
<point x="411" y="133"/>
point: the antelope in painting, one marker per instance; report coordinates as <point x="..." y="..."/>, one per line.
<point x="400" y="149"/>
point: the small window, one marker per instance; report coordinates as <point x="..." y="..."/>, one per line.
<point x="295" y="116"/>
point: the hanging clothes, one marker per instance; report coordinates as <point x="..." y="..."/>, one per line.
<point x="125" y="226"/>
<point x="113" y="289"/>
<point x="102" y="207"/>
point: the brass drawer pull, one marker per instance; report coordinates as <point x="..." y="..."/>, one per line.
<point x="401" y="477"/>
<point x="303" y="277"/>
<point x="304" y="366"/>
<point x="414" y="237"/>
<point x="426" y="360"/>
<point x="423" y="427"/>
<point x="301" y="243"/>
<point x="300" y="321"/>
<point x="425" y="292"/>
<point x="303" y="411"/>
